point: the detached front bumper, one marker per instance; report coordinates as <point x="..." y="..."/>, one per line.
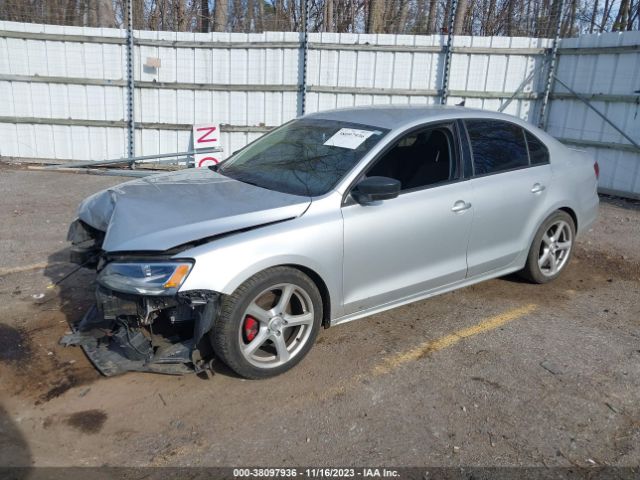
<point x="123" y="333"/>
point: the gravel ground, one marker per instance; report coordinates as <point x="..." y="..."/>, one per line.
<point x="556" y="385"/>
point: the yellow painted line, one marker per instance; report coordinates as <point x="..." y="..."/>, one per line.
<point x="27" y="268"/>
<point x="426" y="348"/>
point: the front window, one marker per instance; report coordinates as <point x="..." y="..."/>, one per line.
<point x="303" y="157"/>
<point x="420" y="159"/>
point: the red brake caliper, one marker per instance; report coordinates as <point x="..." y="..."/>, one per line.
<point x="250" y="328"/>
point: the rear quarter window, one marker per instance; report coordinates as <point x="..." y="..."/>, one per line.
<point x="538" y="152"/>
<point x="496" y="146"/>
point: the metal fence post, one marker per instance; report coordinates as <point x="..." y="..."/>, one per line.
<point x="131" y="150"/>
<point x="544" y="110"/>
<point x="444" y="91"/>
<point x="305" y="54"/>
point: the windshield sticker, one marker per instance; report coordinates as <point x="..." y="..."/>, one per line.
<point x="350" y="138"/>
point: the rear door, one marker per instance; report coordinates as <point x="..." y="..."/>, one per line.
<point x="509" y="192"/>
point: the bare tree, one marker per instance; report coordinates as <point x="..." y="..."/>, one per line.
<point x="220" y="16"/>
<point x="622" y="19"/>
<point x="474" y="17"/>
<point x="328" y="18"/>
<point x="594" y="13"/>
<point x="374" y="19"/>
<point x="461" y="11"/>
<point x="433" y="17"/>
<point x="238" y="17"/>
<point x="251" y="14"/>
<point x="138" y="14"/>
<point x="204" y="16"/>
<point x="398" y="20"/>
<point x="261" y="14"/>
<point x="490" y="27"/>
<point x="553" y="18"/>
<point x="422" y="17"/>
<point x="510" y="21"/>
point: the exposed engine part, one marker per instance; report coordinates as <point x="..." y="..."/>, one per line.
<point x="146" y="309"/>
<point x="181" y="313"/>
<point x="125" y="332"/>
<point x="113" y="305"/>
<point x="132" y="344"/>
<point x="198" y="297"/>
<point x="153" y="305"/>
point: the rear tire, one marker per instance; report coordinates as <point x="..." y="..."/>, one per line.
<point x="551" y="249"/>
<point x="268" y="324"/>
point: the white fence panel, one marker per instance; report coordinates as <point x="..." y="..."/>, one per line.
<point x="64" y="88"/>
<point x="610" y="80"/>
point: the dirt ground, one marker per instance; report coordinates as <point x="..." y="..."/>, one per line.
<point x="552" y="379"/>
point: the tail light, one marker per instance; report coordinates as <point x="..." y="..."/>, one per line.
<point x="596" y="169"/>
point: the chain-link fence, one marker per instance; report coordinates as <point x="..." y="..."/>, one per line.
<point x="527" y="18"/>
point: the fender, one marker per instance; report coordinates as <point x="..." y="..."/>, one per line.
<point x="224" y="264"/>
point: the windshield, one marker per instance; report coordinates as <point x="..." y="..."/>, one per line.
<point x="303" y="157"/>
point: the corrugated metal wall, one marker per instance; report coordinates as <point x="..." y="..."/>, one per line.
<point x="352" y="69"/>
<point x="63" y="89"/>
<point x="606" y="70"/>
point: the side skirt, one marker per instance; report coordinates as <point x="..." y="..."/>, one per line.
<point x="424" y="295"/>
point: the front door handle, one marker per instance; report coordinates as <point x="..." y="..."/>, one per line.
<point x="460" y="206"/>
<point x="537" y="188"/>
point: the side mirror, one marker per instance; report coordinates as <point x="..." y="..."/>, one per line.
<point x="373" y="189"/>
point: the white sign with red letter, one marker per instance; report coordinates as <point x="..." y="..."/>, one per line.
<point x="205" y="159"/>
<point x="205" y="136"/>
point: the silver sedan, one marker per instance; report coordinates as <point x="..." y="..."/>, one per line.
<point x="329" y="218"/>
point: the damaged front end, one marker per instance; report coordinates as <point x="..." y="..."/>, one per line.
<point x="140" y="322"/>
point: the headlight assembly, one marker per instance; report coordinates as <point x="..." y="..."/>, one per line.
<point x="145" y="278"/>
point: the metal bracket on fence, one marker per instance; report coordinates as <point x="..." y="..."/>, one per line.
<point x="131" y="146"/>
<point x="131" y="160"/>
<point x="552" y="69"/>
<point x="524" y="83"/>
<point x="305" y="55"/>
<point x="444" y="91"/>
<point x="598" y="112"/>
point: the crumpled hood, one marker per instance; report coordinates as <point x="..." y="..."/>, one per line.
<point x="162" y="211"/>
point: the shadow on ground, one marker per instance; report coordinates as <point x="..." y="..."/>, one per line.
<point x="14" y="449"/>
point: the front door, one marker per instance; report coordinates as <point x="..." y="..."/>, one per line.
<point x="416" y="242"/>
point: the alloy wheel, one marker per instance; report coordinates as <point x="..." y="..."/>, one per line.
<point x="555" y="248"/>
<point x="276" y="325"/>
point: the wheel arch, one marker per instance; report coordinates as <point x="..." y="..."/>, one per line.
<point x="322" y="288"/>
<point x="572" y="214"/>
<point x="312" y="273"/>
<point x="557" y="207"/>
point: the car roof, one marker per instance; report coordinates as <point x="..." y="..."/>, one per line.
<point x="402" y="116"/>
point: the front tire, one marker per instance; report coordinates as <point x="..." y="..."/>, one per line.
<point x="268" y="324"/>
<point x="551" y="249"/>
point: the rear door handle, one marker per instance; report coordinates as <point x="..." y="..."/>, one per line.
<point x="460" y="206"/>
<point x="537" y="188"/>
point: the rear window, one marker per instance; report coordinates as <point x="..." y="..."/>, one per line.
<point x="496" y="146"/>
<point x="538" y="152"/>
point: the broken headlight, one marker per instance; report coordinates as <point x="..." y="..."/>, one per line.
<point x="145" y="278"/>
